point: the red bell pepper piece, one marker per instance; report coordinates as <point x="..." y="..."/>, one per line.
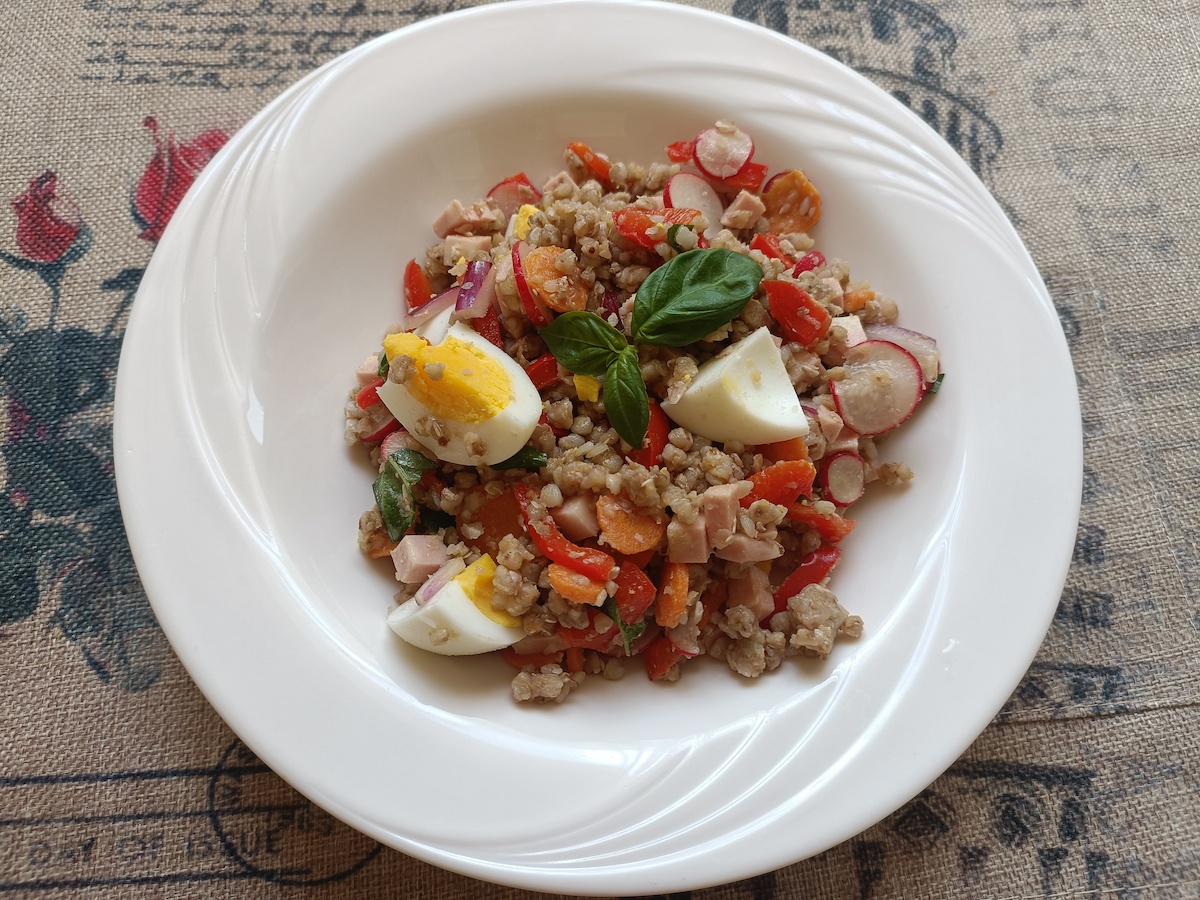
<point x="558" y="432"/>
<point x="590" y="638"/>
<point x="813" y="259"/>
<point x="537" y="660"/>
<point x="768" y="245"/>
<point x="656" y="438"/>
<point x="831" y="528"/>
<point x="369" y="395"/>
<point x="597" y="165"/>
<point x="635" y="593"/>
<point x="543" y="371"/>
<point x="802" y="318"/>
<point x="812" y="569"/>
<point x="782" y="483"/>
<point x="749" y="177"/>
<point x="376" y="437"/>
<point x="681" y="151"/>
<point x="546" y="537"/>
<point x="634" y="224"/>
<point x="661" y="655"/>
<point x="417" y="289"/>
<point x="488" y="325"/>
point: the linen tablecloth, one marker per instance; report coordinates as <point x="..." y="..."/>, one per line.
<point x="118" y="780"/>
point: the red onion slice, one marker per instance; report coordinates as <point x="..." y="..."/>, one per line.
<point x="477" y="291"/>
<point x="427" y="311"/>
<point x="439" y="580"/>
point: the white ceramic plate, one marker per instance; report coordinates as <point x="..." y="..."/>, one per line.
<point x="278" y="274"/>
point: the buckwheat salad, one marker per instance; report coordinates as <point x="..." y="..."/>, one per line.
<point x="624" y="414"/>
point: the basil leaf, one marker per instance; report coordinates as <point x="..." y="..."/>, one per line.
<point x="625" y="398"/>
<point x="409" y="465"/>
<point x="397" y="508"/>
<point x="583" y="342"/>
<point x="525" y="458"/>
<point x="629" y="632"/>
<point x="384" y="365"/>
<point x="937" y="383"/>
<point x="671" y="242"/>
<point x="693" y="295"/>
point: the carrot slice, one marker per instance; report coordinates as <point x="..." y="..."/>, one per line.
<point x="793" y="204"/>
<point x="782" y="483"/>
<point x="671" y="605"/>
<point x="540" y="265"/>
<point x="626" y="529"/>
<point x="793" y="448"/>
<point x="597" y="165"/>
<point x="853" y="301"/>
<point x="661" y="656"/>
<point x="831" y="528"/>
<point x="574" y="660"/>
<point x="575" y="586"/>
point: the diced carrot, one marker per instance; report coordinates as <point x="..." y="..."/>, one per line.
<point x="541" y="266"/>
<point x="641" y="560"/>
<point x="381" y="548"/>
<point x="537" y="660"/>
<point x="661" y="656"/>
<point x="782" y="483"/>
<point x="635" y="593"/>
<point x="596" y="164"/>
<point x="671" y="605"/>
<point x="853" y="301"/>
<point x="574" y="662"/>
<point x="793" y="204"/>
<point x="627" y="529"/>
<point x="499" y="515"/>
<point x="831" y="528"/>
<point x="575" y="586"/>
<point x="792" y="448"/>
<point x="713" y="599"/>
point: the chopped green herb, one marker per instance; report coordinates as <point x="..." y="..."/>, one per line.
<point x="435" y="519"/>
<point x="384" y="365"/>
<point x="393" y="489"/>
<point x="525" y="458"/>
<point x="629" y="632"/>
<point x="937" y="383"/>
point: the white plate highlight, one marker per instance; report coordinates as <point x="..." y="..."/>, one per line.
<point x="277" y="276"/>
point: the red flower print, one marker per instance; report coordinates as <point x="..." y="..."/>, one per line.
<point x="169" y="175"/>
<point x="47" y="224"/>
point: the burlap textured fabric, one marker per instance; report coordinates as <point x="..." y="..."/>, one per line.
<point x="118" y="780"/>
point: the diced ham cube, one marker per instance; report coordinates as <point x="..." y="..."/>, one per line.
<point x="753" y="591"/>
<point x="687" y="543"/>
<point x="743" y="548"/>
<point x="368" y="370"/>
<point x="474" y="219"/>
<point x="744" y="211"/>
<point x="576" y="518"/>
<point x="721" y="509"/>
<point x="829" y="422"/>
<point x="846" y="440"/>
<point x="561" y="180"/>
<point x="835" y="293"/>
<point x="468" y="247"/>
<point x="418" y="556"/>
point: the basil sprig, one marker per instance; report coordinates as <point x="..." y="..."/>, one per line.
<point x="630" y="632"/>
<point x="686" y="298"/>
<point x="692" y="295"/>
<point x="393" y="489"/>
<point x="526" y="458"/>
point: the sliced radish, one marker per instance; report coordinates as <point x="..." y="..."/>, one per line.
<point x="720" y="152"/>
<point x="510" y="194"/>
<point x="922" y="346"/>
<point x="693" y="192"/>
<point x="537" y="311"/>
<point x="843" y="476"/>
<point x="881" y="387"/>
<point x="477" y="291"/>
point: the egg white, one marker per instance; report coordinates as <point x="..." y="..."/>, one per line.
<point x="450" y="624"/>
<point x="742" y="394"/>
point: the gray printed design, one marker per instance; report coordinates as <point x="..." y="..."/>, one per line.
<point x="62" y="541"/>
<point x="905" y="47"/>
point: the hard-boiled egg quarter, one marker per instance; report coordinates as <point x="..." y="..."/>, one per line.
<point x="742" y="394"/>
<point x="458" y="620"/>
<point x="466" y="400"/>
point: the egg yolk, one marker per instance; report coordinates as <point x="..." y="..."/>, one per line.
<point x="454" y="380"/>
<point x="476" y="582"/>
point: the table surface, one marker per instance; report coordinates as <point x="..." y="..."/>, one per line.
<point x="117" y="779"/>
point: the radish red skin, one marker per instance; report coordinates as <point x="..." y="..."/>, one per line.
<point x="539" y="314"/>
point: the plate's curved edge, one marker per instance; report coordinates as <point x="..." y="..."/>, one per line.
<point x="533" y="879"/>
